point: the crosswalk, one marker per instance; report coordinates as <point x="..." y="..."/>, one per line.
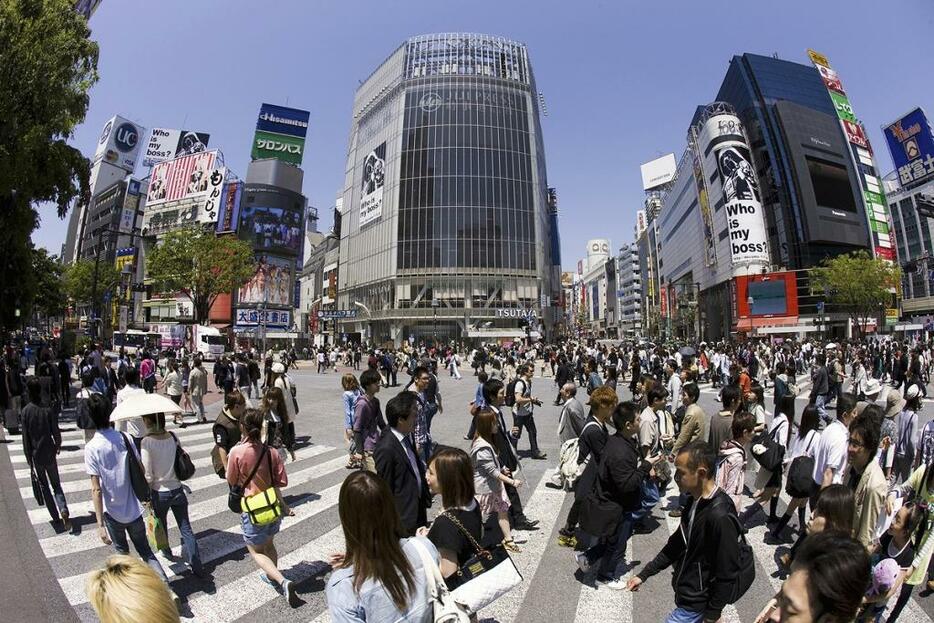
<point x="552" y="589"/>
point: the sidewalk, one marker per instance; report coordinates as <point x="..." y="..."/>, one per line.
<point x="26" y="579"/>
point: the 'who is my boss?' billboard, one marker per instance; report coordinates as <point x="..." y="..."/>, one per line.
<point x="280" y="133"/>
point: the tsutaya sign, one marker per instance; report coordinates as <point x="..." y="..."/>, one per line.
<point x="726" y="156"/>
<point x="527" y="314"/>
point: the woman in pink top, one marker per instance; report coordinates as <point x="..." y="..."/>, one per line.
<point x="270" y="473"/>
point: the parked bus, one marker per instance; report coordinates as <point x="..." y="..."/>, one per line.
<point x="134" y="340"/>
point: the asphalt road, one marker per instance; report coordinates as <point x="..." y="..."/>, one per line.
<point x="553" y="589"/>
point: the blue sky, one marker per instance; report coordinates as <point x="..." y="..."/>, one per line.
<point x="620" y="79"/>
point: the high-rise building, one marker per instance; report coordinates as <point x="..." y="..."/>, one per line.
<point x="448" y="225"/>
<point x="629" y="291"/>
<point x="811" y="189"/>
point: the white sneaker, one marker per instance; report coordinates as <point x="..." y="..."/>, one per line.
<point x="519" y="540"/>
<point x="618" y="584"/>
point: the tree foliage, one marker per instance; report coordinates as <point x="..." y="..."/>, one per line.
<point x="79" y="281"/>
<point x="856" y="283"/>
<point x="200" y="265"/>
<point x="47" y="65"/>
<point x="50" y="297"/>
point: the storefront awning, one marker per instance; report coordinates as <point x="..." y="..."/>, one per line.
<point x="800" y="328"/>
<point x="909" y="327"/>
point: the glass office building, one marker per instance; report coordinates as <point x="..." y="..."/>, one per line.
<point x="810" y="190"/>
<point x="448" y="218"/>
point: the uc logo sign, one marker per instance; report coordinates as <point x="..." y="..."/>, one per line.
<point x="126" y="137"/>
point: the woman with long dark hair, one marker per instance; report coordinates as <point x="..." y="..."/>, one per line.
<point x="834" y="512"/>
<point x="920" y="486"/>
<point x="769" y="483"/>
<point x="803" y="444"/>
<point x="380" y="577"/>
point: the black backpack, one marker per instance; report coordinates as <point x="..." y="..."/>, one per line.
<point x="511" y="393"/>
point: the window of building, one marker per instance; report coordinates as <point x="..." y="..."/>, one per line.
<point x="831" y="185"/>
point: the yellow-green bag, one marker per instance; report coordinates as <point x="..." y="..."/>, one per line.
<point x="263" y="508"/>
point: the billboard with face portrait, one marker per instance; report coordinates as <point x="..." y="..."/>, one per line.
<point x="271" y="282"/>
<point x="371" y="186"/>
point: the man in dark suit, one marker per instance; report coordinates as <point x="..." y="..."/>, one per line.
<point x="398" y="464"/>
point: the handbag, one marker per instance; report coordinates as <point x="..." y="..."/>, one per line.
<point x="156" y="534"/>
<point x="771" y="458"/>
<point x="445" y="608"/>
<point x="137" y="475"/>
<point x="799" y="481"/>
<point x="485" y="577"/>
<point x="36" y="487"/>
<point x="184" y="467"/>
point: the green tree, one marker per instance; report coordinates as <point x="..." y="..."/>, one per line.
<point x="857" y="283"/>
<point x="47" y="65"/>
<point x="200" y="265"/>
<point x="79" y="281"/>
<point x="50" y="297"/>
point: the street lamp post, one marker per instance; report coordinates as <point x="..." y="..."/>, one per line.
<point x="434" y="307"/>
<point x="750" y="302"/>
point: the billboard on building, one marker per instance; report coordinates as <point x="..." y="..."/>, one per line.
<point x="119" y="143"/>
<point x="181" y="178"/>
<point x="229" y="214"/>
<point x="271" y="282"/>
<point x="658" y="172"/>
<point x="166" y="144"/>
<point x="874" y="201"/>
<point x="911" y="143"/>
<point x="130" y="207"/>
<point x="371" y="186"/>
<point x="249" y="319"/>
<point x="723" y="139"/>
<point x="703" y="200"/>
<point x="280" y="134"/>
<point x="773" y="295"/>
<point x="272" y="229"/>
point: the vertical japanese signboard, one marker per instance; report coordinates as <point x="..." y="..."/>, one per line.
<point x="874" y="202"/>
<point x="703" y="200"/>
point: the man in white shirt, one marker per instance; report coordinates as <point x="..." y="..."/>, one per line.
<point x="133" y="426"/>
<point x="673" y="385"/>
<point x="830" y="454"/>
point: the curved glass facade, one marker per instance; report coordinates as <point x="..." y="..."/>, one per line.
<point x="465" y="182"/>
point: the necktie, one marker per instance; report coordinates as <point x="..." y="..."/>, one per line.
<point x="409" y="452"/>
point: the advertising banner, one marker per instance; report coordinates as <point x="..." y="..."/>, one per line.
<point x="272" y="229"/>
<point x="271" y="282"/>
<point x="371" y="186"/>
<point x="723" y="138"/>
<point x="911" y="144"/>
<point x="282" y="120"/>
<point x="861" y="156"/>
<point x="181" y="178"/>
<point x="658" y="172"/>
<point x="166" y="144"/>
<point x="703" y="200"/>
<point x="279" y="146"/>
<point x="229" y="215"/>
<point x="119" y="143"/>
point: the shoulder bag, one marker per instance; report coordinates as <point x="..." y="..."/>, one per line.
<point x="263" y="507"/>
<point x="771" y="458"/>
<point x="799" y="481"/>
<point x="137" y="475"/>
<point x="486" y="576"/>
<point x="36" y="487"/>
<point x="235" y="495"/>
<point x="184" y="467"/>
<point x="445" y="608"/>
